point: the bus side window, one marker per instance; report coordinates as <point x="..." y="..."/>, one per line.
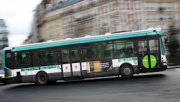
<point x="74" y="55"/>
<point x="105" y="50"/>
<point x="153" y="46"/>
<point x="49" y="58"/>
<point x="123" y="49"/>
<point x="119" y="49"/>
<point x="95" y="53"/>
<point x="86" y="53"/>
<point x="39" y="58"/>
<point x="142" y="47"/>
<point x="22" y="59"/>
<point x="56" y="57"/>
<point x="65" y="56"/>
<point x="129" y="49"/>
<point x="8" y="59"/>
<point x="108" y="50"/>
<point x="46" y="57"/>
<point x="18" y="60"/>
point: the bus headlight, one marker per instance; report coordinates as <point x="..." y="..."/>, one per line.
<point x="3" y="77"/>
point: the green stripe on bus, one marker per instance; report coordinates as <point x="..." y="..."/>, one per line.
<point x="50" y="67"/>
<point x="127" y="59"/>
<point x="37" y="68"/>
<point x="30" y="69"/>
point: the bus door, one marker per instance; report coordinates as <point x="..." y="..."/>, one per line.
<point x="75" y="62"/>
<point x="148" y="54"/>
<point x="154" y="54"/>
<point x="71" y="62"/>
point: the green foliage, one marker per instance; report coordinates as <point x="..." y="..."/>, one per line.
<point x="172" y="30"/>
<point x="173" y="45"/>
<point x="173" y="60"/>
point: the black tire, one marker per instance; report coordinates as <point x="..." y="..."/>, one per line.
<point x="126" y="71"/>
<point x="41" y="78"/>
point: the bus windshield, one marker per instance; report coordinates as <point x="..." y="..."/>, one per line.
<point x="8" y="59"/>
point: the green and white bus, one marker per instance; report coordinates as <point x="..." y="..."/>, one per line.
<point x="113" y="54"/>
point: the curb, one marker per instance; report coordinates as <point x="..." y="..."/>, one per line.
<point x="172" y="67"/>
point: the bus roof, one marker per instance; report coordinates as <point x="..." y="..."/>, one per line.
<point x="88" y="39"/>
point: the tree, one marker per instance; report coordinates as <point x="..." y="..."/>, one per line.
<point x="173" y="44"/>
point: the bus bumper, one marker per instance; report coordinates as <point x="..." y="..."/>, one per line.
<point x="164" y="66"/>
<point x="12" y="80"/>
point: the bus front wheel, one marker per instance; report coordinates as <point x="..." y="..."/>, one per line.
<point x="41" y="78"/>
<point x="127" y="71"/>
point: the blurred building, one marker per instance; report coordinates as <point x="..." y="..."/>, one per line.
<point x="3" y="38"/>
<point x="38" y="13"/>
<point x="75" y="18"/>
<point x="60" y="19"/>
<point x="162" y="13"/>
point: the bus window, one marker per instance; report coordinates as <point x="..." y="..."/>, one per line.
<point x="142" y="47"/>
<point x="120" y="50"/>
<point x="55" y="57"/>
<point x="95" y="52"/>
<point x="74" y="55"/>
<point x="39" y="58"/>
<point x="107" y="50"/>
<point x="46" y="58"/>
<point x="153" y="45"/>
<point x="123" y="49"/>
<point x="8" y="59"/>
<point x="129" y="49"/>
<point x="65" y="56"/>
<point x="86" y="52"/>
<point x="22" y="59"/>
<point x="18" y="60"/>
<point x="102" y="50"/>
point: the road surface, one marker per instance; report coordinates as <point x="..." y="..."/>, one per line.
<point x="154" y="87"/>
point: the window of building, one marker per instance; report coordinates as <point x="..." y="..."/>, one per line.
<point x="111" y="7"/>
<point x="122" y="5"/>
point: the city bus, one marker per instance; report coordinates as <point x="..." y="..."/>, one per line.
<point x="113" y="54"/>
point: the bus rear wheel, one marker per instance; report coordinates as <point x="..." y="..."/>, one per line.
<point x="41" y="78"/>
<point x="126" y="71"/>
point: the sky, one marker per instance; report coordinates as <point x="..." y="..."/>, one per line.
<point x="18" y="15"/>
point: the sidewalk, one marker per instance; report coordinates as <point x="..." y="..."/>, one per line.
<point x="176" y="66"/>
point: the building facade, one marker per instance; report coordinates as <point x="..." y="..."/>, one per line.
<point x="3" y="38"/>
<point x="76" y="18"/>
<point x="162" y="13"/>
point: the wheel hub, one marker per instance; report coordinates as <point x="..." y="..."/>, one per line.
<point x="42" y="78"/>
<point x="127" y="71"/>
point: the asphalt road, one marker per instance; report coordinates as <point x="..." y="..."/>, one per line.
<point x="155" y="87"/>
